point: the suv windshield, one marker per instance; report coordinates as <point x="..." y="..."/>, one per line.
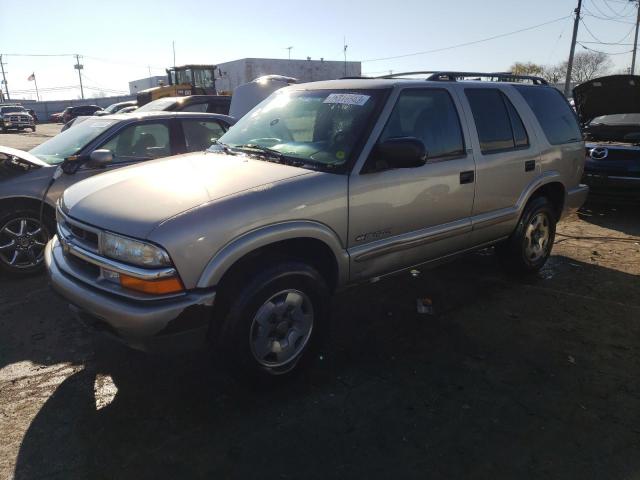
<point x="12" y="109"/>
<point x="312" y="128"/>
<point x="70" y="141"/>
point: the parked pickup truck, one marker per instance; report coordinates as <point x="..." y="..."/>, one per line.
<point x="320" y="186"/>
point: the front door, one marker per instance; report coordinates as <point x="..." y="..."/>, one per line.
<point x="399" y="217"/>
<point x="135" y="143"/>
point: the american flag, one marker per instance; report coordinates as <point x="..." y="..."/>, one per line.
<point x="32" y="77"/>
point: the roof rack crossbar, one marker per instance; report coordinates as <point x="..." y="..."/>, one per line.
<point x="453" y="76"/>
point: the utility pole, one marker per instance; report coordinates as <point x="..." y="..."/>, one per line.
<point x="635" y="41"/>
<point x="576" y="23"/>
<point x="150" y="80"/>
<point x="79" y="67"/>
<point x="345" y="55"/>
<point x="174" y="53"/>
<point x="4" y="78"/>
<point x="289" y="48"/>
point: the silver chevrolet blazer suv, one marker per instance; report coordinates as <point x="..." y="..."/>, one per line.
<point x="321" y="186"/>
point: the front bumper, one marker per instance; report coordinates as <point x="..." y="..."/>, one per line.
<point x="177" y="323"/>
<point x="575" y="199"/>
<point x="614" y="185"/>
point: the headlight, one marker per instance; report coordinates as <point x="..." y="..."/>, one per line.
<point x="134" y="251"/>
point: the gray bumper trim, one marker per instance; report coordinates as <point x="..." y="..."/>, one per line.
<point x="133" y="320"/>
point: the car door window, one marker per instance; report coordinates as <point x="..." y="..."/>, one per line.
<point x="200" y="134"/>
<point x="430" y="116"/>
<point x="140" y="142"/>
<point x="497" y="121"/>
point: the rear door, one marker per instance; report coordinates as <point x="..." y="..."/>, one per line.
<point x="506" y="159"/>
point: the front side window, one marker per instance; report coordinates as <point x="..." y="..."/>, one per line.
<point x="430" y="116"/>
<point x="558" y="121"/>
<point x="498" y="124"/>
<point x="199" y="135"/>
<point x="71" y="141"/>
<point x="144" y="141"/>
<point x="312" y="128"/>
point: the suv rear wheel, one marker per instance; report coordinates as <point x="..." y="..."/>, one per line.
<point x="274" y="322"/>
<point x="530" y="244"/>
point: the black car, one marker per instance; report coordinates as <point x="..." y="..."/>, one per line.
<point x="115" y="108"/>
<point x="72" y="112"/>
<point x="193" y="103"/>
<point x="609" y="111"/>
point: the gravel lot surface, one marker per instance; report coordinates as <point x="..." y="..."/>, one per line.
<point x="510" y="378"/>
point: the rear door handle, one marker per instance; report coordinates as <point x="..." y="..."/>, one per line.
<point x="466" y="177"/>
<point x="529" y="165"/>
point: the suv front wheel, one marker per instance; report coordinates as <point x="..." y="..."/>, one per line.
<point x="274" y="322"/>
<point x="530" y="244"/>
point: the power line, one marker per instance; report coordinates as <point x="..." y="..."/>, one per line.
<point x="584" y="24"/>
<point x="466" y="44"/>
<point x="590" y="14"/>
<point x="605" y="53"/>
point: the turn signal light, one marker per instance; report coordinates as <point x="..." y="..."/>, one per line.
<point x="153" y="287"/>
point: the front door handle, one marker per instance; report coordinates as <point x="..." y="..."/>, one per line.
<point x="466" y="177"/>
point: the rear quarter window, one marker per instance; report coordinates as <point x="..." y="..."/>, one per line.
<point x="558" y="121"/>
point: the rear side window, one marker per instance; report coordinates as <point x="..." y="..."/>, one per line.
<point x="498" y="124"/>
<point x="428" y="115"/>
<point x="554" y="114"/>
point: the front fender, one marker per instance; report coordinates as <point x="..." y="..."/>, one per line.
<point x="270" y="234"/>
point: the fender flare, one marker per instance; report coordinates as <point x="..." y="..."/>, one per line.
<point x="550" y="176"/>
<point x="233" y="251"/>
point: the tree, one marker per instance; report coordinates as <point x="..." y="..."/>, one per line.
<point x="555" y="74"/>
<point x="588" y="65"/>
<point x="528" y="68"/>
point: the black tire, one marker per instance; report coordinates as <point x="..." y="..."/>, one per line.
<point x="240" y="331"/>
<point x="33" y="129"/>
<point x="12" y="220"/>
<point x="519" y="253"/>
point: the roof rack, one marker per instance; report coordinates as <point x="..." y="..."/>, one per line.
<point x="356" y="77"/>
<point x="455" y="76"/>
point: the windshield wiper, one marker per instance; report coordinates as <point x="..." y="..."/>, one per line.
<point x="223" y="146"/>
<point x="253" y="148"/>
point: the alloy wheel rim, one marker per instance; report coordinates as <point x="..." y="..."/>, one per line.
<point x="22" y="242"/>
<point x="537" y="237"/>
<point x="281" y="329"/>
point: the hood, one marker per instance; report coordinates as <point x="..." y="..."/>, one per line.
<point x="24" y="156"/>
<point x="134" y="200"/>
<point x="607" y="96"/>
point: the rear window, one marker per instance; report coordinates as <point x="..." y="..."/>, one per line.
<point x="558" y="121"/>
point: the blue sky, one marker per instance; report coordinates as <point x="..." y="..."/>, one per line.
<point x="120" y="40"/>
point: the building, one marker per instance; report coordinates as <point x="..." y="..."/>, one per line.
<point x="237" y="72"/>
<point x="136" y="85"/>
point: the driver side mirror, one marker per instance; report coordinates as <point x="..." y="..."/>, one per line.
<point x="401" y="152"/>
<point x="100" y="158"/>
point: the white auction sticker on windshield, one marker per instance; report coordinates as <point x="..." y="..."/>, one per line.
<point x="347" y="99"/>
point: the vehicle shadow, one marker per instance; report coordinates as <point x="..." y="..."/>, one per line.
<point x="622" y="216"/>
<point x="509" y="378"/>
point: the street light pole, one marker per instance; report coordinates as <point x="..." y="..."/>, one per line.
<point x="576" y="23"/>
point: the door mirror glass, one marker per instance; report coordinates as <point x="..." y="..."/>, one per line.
<point x="100" y="158"/>
<point x="401" y="152"/>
